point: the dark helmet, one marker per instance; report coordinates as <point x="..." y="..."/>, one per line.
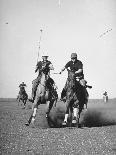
<point x="73" y="55"/>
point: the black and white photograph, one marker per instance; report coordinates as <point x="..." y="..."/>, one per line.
<point x="58" y="77"/>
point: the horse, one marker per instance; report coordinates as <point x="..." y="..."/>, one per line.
<point x="75" y="99"/>
<point x="22" y="96"/>
<point x="43" y="96"/>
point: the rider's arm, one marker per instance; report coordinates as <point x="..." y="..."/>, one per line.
<point x="38" y="66"/>
<point x="80" y="68"/>
<point x="62" y="69"/>
<point x="51" y="67"/>
<point x="79" y="71"/>
<point x="65" y="67"/>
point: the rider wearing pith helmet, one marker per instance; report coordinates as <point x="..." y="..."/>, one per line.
<point x="45" y="54"/>
<point x="45" y="65"/>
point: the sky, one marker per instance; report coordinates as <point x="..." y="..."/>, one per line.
<point x="87" y="27"/>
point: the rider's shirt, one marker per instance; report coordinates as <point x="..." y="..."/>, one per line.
<point x="75" y="66"/>
<point x="40" y="64"/>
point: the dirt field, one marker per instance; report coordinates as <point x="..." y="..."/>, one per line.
<point x="96" y="136"/>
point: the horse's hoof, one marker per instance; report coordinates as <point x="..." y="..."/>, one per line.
<point x="27" y="124"/>
<point x="74" y="121"/>
<point x="64" y="123"/>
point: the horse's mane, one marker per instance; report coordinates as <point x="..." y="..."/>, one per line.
<point x="71" y="80"/>
<point x="73" y="86"/>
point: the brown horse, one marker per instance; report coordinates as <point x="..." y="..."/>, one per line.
<point x="75" y="99"/>
<point x="43" y="96"/>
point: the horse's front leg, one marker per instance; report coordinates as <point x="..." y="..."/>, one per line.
<point x="49" y="107"/>
<point x="34" y="111"/>
<point x="66" y="113"/>
<point x="76" y="113"/>
<point x="32" y="117"/>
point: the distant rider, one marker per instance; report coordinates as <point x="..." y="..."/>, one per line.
<point x="22" y="88"/>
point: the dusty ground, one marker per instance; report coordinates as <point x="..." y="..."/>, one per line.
<point x="97" y="134"/>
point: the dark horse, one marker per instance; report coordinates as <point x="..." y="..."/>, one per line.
<point x="75" y="99"/>
<point x="43" y="96"/>
<point x="22" y="96"/>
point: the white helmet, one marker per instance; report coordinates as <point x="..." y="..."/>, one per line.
<point x="45" y="54"/>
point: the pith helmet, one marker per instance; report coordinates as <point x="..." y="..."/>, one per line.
<point x="73" y="55"/>
<point x="45" y="55"/>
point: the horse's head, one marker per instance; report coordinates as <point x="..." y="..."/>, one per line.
<point x="44" y="73"/>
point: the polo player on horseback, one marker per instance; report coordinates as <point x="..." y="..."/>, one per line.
<point x="75" y="66"/>
<point x="22" y="88"/>
<point x="45" y="65"/>
<point x="22" y="93"/>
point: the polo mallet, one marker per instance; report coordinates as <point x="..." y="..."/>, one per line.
<point x="39" y="43"/>
<point x="56" y="73"/>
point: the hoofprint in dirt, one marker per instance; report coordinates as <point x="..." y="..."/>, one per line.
<point x="97" y="137"/>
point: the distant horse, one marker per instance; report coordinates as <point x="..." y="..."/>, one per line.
<point x="75" y="99"/>
<point x="43" y="96"/>
<point x="22" y="96"/>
